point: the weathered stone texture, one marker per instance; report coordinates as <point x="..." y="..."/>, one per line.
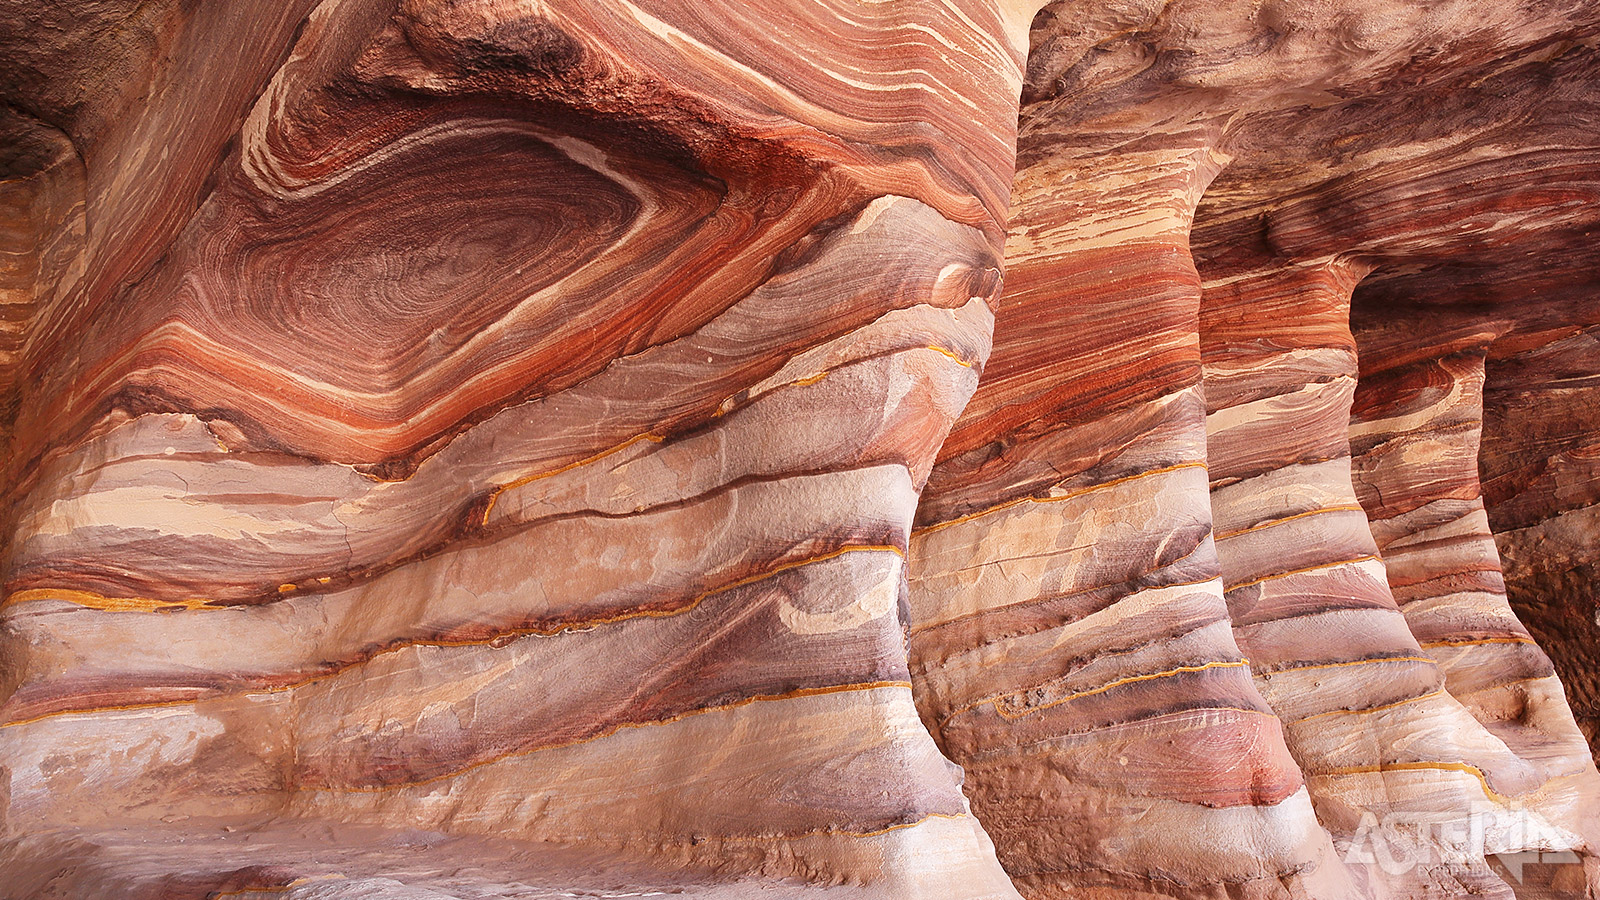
<point x="936" y="448"/>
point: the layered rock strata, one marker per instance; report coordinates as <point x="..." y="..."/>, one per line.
<point x="931" y="449"/>
<point x="1309" y="589"/>
<point x="1070" y="644"/>
<point x="1537" y="462"/>
<point x="453" y="464"/>
<point x="1521" y="779"/>
<point x="1416" y="434"/>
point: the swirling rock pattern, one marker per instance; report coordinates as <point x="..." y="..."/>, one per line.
<point x="943" y="448"/>
<point x="362" y="466"/>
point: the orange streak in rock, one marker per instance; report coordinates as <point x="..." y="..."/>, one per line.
<point x="1332" y="565"/>
<point x="1272" y="523"/>
<point x="478" y="642"/>
<point x="494" y="496"/>
<point x="108" y="604"/>
<point x="1036" y="601"/>
<point x="1373" y="709"/>
<point x="656" y="613"/>
<point x="951" y="354"/>
<point x="840" y="832"/>
<point x="1474" y="771"/>
<point x="1181" y="670"/>
<point x="144" y="604"/>
<point x="160" y="704"/>
<point x="1352" y="662"/>
<point x="926" y="529"/>
<point x="760" y="698"/>
<point x="1473" y="642"/>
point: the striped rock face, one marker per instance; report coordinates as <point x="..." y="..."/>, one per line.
<point x="504" y="421"/>
<point x="1070" y="642"/>
<point x="959" y="449"/>
<point x="1537" y="464"/>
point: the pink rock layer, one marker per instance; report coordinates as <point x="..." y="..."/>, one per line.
<point x="959" y="449"/>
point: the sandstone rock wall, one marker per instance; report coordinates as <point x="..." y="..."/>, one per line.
<point x="941" y="448"/>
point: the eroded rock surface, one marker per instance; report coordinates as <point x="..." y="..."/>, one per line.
<point x="463" y="448"/>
